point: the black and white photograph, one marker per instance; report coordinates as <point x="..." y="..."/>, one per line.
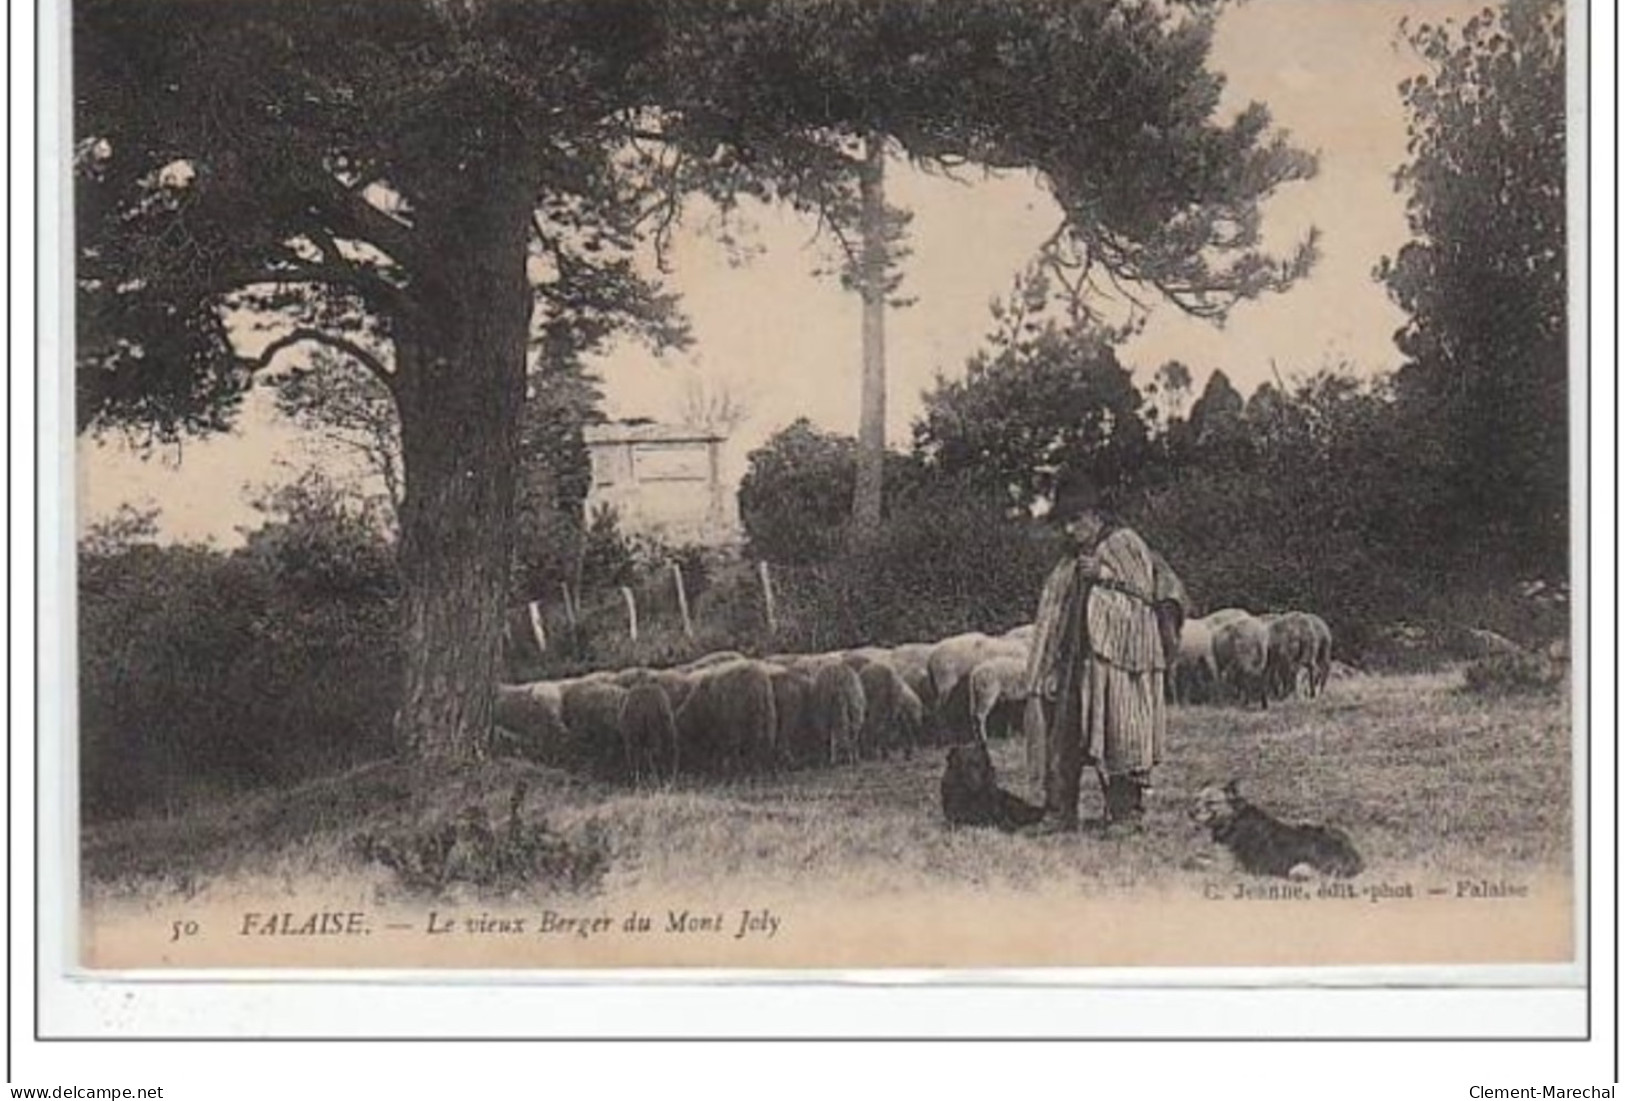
<point x="823" y="484"/>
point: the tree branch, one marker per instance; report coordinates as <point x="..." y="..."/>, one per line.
<point x="318" y="336"/>
<point x="551" y="246"/>
<point x="666" y="208"/>
<point x="355" y="217"/>
<point x="325" y="242"/>
<point x="362" y="280"/>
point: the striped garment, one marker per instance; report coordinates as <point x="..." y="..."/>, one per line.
<point x="1115" y="670"/>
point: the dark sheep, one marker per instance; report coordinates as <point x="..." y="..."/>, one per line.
<point x="971" y="795"/>
<point x="1241" y="649"/>
<point x="727" y="724"/>
<point x="1170" y="626"/>
<point x="912" y="713"/>
<point x="1171" y="603"/>
<point x="839" y="710"/>
<point x="799" y="743"/>
<point x="648" y="734"/>
<point x="534" y="715"/>
<point x="892" y="713"/>
<point x="592" y="713"/>
<point x="677" y="685"/>
<point x="1322" y="654"/>
<point x="748" y="689"/>
<point x="704" y="742"/>
<point x="1291" y="650"/>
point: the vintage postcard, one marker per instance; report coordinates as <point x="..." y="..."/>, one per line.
<point x="813" y="487"/>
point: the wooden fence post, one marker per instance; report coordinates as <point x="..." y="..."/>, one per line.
<point x="509" y="655"/>
<point x="570" y="619"/>
<point x="767" y="597"/>
<point x="569" y="606"/>
<point x="682" y="600"/>
<point x="537" y="629"/>
<point x="631" y="612"/>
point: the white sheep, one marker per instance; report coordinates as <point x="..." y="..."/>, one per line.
<point x="998" y="680"/>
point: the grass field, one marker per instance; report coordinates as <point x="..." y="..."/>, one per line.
<point x="1424" y="777"/>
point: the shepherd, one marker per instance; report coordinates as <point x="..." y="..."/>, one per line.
<point x="1098" y="666"/>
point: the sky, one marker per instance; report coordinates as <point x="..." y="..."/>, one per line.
<point x="786" y="342"/>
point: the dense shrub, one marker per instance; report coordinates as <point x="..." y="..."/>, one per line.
<point x="1238" y="541"/>
<point x="1308" y="497"/>
<point x="1511" y="675"/>
<point x="203" y="672"/>
<point x="468" y="852"/>
<point x="795" y="500"/>
<point x="548" y="552"/>
<point x="796" y="496"/>
<point x="725" y="604"/>
<point x="947" y="562"/>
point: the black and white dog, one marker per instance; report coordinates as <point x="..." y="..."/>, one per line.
<point x="1265" y="845"/>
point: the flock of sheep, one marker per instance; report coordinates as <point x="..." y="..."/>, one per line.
<point x="1233" y="652"/>
<point x="728" y="715"/>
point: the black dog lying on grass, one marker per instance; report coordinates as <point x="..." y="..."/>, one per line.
<point x="1264" y="845"/>
<point x="971" y="795"/>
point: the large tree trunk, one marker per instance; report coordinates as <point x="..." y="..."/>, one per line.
<point x="460" y="388"/>
<point x="867" y="496"/>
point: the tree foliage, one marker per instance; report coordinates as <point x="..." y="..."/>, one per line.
<point x="795" y="499"/>
<point x="1215" y="433"/>
<point x="555" y="475"/>
<point x="796" y="495"/>
<point x="1170" y="392"/>
<point x="1042" y="397"/>
<point x="1300" y="496"/>
<point x="1484" y="281"/>
<point x="1110" y="101"/>
<point x="345" y="408"/>
<point x="224" y="149"/>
